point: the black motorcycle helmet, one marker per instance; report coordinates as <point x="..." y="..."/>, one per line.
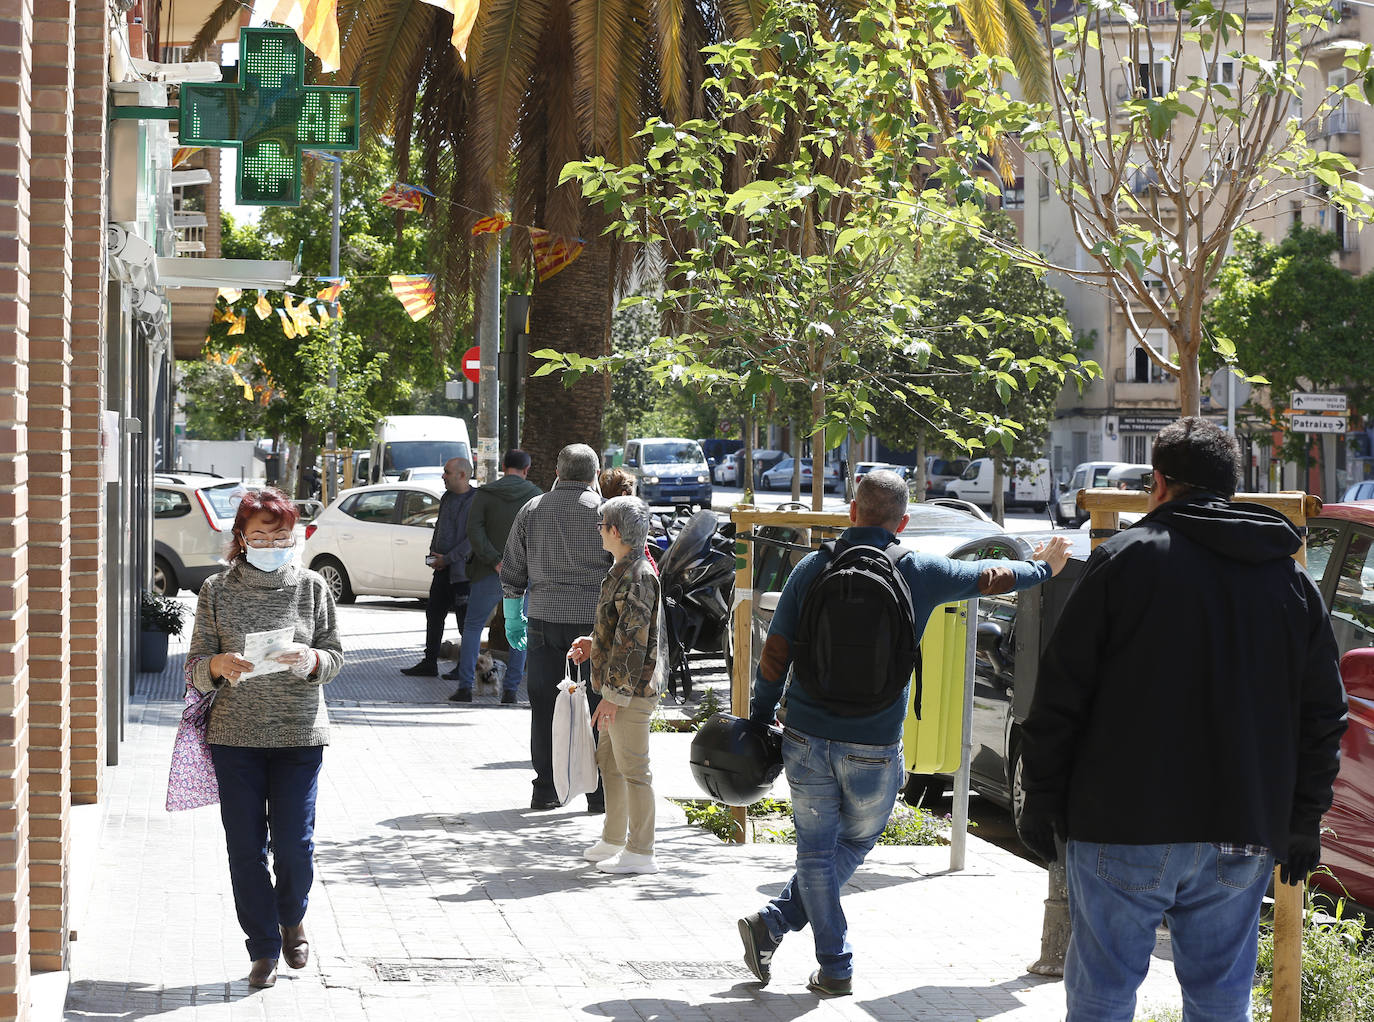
<point x="736" y="761"/>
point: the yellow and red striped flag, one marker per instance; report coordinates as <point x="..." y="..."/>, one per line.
<point x="262" y="306"/>
<point x="464" y="14"/>
<point x="287" y="326"/>
<point x="415" y="292"/>
<point x="494" y="224"/>
<point x="337" y="285"/>
<point x="552" y="252"/>
<point x="247" y="390"/>
<point x="183" y="154"/>
<point x="229" y="294"/>
<point x="238" y="325"/>
<point x="316" y="22"/>
<point x="404" y="196"/>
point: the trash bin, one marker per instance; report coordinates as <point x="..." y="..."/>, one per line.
<point x="273" y="470"/>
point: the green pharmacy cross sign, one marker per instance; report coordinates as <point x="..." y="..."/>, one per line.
<point x="270" y="115"/>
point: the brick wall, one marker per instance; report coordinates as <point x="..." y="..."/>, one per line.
<point x="50" y="471"/>
<point x="88" y="399"/>
<point x="16" y="115"/>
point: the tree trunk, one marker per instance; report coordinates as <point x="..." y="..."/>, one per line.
<point x="818" y="446"/>
<point x="744" y="467"/>
<point x="999" y="496"/>
<point x="571" y="312"/>
<point x="920" y="466"/>
<point x="1189" y="377"/>
<point x="796" y="449"/>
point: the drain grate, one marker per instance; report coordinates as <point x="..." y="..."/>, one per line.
<point x="462" y="970"/>
<point x="691" y="970"/>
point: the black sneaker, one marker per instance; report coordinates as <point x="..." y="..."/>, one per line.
<point x="544" y="804"/>
<point x="759" y="946"/>
<point x="450" y="675"/>
<point x="507" y="698"/>
<point x="829" y="986"/>
<point x="424" y="669"/>
<point x="463" y="695"/>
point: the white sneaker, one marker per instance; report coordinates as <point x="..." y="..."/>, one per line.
<point x="601" y="851"/>
<point x="629" y="862"/>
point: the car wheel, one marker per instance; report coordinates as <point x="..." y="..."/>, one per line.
<point x="336" y="578"/>
<point x="164" y="578"/>
<point x="1018" y="792"/>
<point x="923" y="789"/>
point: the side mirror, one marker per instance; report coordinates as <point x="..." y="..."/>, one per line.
<point x="1357" y="671"/>
<point x="768" y="602"/>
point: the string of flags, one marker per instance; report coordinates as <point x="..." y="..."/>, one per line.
<point x="412" y="198"/>
<point x="415" y="291"/>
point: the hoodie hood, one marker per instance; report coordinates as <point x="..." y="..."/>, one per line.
<point x="1251" y="533"/>
<point x="512" y="489"/>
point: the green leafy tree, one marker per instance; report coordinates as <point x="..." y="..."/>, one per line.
<point x="1291" y="313"/>
<point x="783" y="216"/>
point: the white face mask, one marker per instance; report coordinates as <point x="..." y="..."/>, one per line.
<point x="269" y="558"/>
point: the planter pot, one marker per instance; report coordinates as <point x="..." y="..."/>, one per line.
<point x="152" y="652"/>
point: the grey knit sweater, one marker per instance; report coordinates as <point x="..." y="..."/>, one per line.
<point x="271" y="711"/>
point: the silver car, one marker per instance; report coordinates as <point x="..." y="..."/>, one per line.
<point x="193" y="515"/>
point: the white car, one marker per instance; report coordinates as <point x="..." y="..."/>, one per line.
<point x="372" y="541"/>
<point x="193" y="515"/>
<point x="426" y="472"/>
<point x="779" y="477"/>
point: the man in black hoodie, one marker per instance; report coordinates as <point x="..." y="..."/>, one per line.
<point x="1184" y="735"/>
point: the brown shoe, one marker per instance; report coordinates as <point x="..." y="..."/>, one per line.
<point x="294" y="945"/>
<point x="263" y="974"/>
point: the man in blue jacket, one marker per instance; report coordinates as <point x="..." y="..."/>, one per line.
<point x="845" y="771"/>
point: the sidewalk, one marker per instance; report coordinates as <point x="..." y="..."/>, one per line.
<point x="440" y="896"/>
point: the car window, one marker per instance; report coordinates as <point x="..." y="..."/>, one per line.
<point x="374" y="506"/>
<point x="170" y="504"/>
<point x="1321" y="543"/>
<point x="1100" y="476"/>
<point x="672" y="454"/>
<point x="419" y="508"/>
<point x="1352" y="608"/>
<point x="223" y="498"/>
<point x="1076" y="483"/>
<point x="971" y="472"/>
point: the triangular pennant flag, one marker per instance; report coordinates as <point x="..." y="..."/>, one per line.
<point x="234" y="356"/>
<point x="229" y="294"/>
<point x="247" y="390"/>
<point x="464" y="14"/>
<point x="302" y="318"/>
<point x="316" y="22"/>
<point x="408" y="197"/>
<point x="286" y="325"/>
<point x="494" y="224"/>
<point x="239" y="324"/>
<point x="415" y="292"/>
<point x="262" y="307"/>
<point x="183" y="154"/>
<point x="322" y="313"/>
<point x="337" y="285"/>
<point x="552" y="252"/>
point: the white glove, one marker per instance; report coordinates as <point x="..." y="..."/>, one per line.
<point x="301" y="662"/>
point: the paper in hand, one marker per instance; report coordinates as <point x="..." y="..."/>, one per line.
<point x="259" y="649"/>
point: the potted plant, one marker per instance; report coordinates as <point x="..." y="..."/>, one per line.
<point x="158" y="617"/>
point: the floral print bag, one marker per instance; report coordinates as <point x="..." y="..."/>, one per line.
<point x="191" y="783"/>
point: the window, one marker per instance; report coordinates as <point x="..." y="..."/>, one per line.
<point x="1153" y="78"/>
<point x="1159" y="9"/>
<point x="673" y="454"/>
<point x="223" y="498"/>
<point x="170" y="504"/>
<point x="1043" y="184"/>
<point x="1135" y="447"/>
<point x="1015" y="196"/>
<point x="376" y="506"/>
<point x="1080" y="447"/>
<point x="1321" y="543"/>
<point x="632" y="456"/>
<point x="1224" y="73"/>
<point x="1139" y="367"/>
<point x="1352" y="608"/>
<point x="419" y="508"/>
<point x="1338" y="121"/>
<point x="1294" y="214"/>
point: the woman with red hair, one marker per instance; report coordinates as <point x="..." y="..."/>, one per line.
<point x="267" y="731"/>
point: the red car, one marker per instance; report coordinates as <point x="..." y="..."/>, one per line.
<point x="1340" y="559"/>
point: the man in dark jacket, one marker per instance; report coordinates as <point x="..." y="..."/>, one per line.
<point x="493" y="512"/>
<point x="1184" y="735"/>
<point x="448" y="554"/>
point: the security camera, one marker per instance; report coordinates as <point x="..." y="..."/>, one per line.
<point x="147" y="303"/>
<point x="128" y="246"/>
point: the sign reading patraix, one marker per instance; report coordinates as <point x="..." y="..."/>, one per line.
<point x="1318" y="402"/>
<point x="1317" y="423"/>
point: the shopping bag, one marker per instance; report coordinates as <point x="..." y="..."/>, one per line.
<point x="191" y="783"/>
<point x="574" y="748"/>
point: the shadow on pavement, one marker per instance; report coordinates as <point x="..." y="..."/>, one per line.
<point x="993" y="999"/>
<point x="780" y="1006"/>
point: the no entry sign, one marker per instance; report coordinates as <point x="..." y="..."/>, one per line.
<point x="472" y="364"/>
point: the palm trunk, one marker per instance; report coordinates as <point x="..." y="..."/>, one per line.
<point x="571" y="312"/>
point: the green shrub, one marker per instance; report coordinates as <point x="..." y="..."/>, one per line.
<point x="160" y="614"/>
<point x="914" y="826"/>
<point x="907" y="826"/>
<point x="1337" y="968"/>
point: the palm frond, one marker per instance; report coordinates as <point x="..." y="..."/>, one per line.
<point x="225" y="11"/>
<point x="600" y="32"/>
<point x="670" y="17"/>
<point x="1026" y="48"/>
<point x="983" y="20"/>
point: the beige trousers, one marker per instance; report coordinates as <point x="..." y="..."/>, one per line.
<point x="622" y="753"/>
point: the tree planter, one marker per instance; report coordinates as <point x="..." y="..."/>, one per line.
<point x="152" y="652"/>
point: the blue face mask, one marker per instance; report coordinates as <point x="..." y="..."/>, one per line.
<point x="269" y="558"/>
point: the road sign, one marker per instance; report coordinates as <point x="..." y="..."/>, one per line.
<point x="1217" y="391"/>
<point x="472" y="364"/>
<point x="1318" y="402"/>
<point x="270" y="115"/>
<point x="1317" y="423"/>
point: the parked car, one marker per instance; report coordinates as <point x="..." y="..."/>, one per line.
<point x="192" y="517"/>
<point x="1359" y="491"/>
<point x="1340" y="559"/>
<point x="422" y="472"/>
<point x="372" y="540"/>
<point x="669" y="470"/>
<point x="1128" y="477"/>
<point x="864" y="467"/>
<point x="1024" y="483"/>
<point x="941" y="471"/>
<point x="779" y="477"/>
<point x="1089" y="475"/>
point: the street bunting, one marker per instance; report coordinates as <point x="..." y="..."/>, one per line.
<point x="1317" y="423"/>
<point x="270" y="115"/>
<point x="1318" y="402"/>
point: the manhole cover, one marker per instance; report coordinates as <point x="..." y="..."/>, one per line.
<point x="449" y="971"/>
<point x="691" y="970"/>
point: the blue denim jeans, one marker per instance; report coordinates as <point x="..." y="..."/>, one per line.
<point x="267" y="800"/>
<point x="1117" y="896"/>
<point x="483" y="596"/>
<point x="842" y="797"/>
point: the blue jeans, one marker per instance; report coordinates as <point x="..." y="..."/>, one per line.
<point x="262" y="792"/>
<point x="1117" y="896"/>
<point x="483" y="596"/>
<point x="842" y="797"/>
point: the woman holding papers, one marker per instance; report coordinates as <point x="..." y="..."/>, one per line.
<point x="266" y="638"/>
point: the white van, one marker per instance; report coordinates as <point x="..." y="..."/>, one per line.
<point x="1023" y="482"/>
<point x="669" y="470"/>
<point x="414" y="441"/>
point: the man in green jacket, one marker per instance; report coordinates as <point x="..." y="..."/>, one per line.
<point x="489" y="523"/>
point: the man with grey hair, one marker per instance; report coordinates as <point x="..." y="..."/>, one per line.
<point x="842" y="747"/>
<point x="448" y="555"/>
<point x="554" y="554"/>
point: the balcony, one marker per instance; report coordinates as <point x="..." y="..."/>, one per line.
<point x="1343" y="23"/>
<point x="1162" y="393"/>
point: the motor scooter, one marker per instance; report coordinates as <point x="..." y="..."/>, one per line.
<point x="697" y="574"/>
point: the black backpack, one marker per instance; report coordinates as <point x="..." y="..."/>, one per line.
<point x="856" y="647"/>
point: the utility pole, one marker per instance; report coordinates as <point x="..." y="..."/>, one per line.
<point x="330" y="487"/>
<point x="488" y="390"/>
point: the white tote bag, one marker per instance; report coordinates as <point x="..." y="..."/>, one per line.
<point x="574" y="748"/>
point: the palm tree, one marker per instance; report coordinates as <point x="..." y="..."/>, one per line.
<point x="547" y="82"/>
